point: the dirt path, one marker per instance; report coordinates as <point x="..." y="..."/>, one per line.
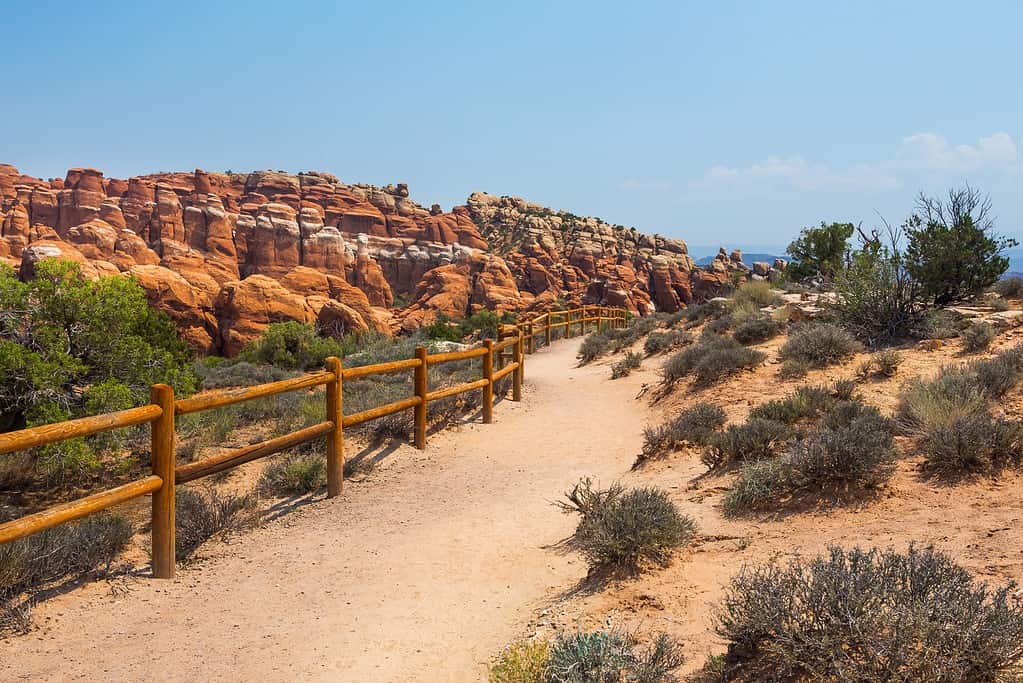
<point x="422" y="572"/>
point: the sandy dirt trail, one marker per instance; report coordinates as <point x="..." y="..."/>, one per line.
<point x="420" y="573"/>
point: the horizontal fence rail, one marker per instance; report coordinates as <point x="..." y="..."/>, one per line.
<point x="514" y="342"/>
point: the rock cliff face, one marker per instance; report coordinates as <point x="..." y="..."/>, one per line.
<point x="226" y="254"/>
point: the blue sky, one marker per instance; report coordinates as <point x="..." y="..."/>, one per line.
<point x="718" y="122"/>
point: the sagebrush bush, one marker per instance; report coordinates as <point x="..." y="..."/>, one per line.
<point x="869" y="616"/>
<point x="754" y="439"/>
<point x="217" y="375"/>
<point x="65" y="551"/>
<point x="294" y="475"/>
<point x="853" y="448"/>
<point x="638" y="328"/>
<point x="998" y="304"/>
<point x="882" y="364"/>
<point x="626" y="365"/>
<point x="978" y="337"/>
<point x="970" y="443"/>
<point x="819" y="345"/>
<point x="1010" y="287"/>
<point x="710" y="359"/>
<point x="793" y="369"/>
<point x="758" y="483"/>
<point x="757" y="329"/>
<point x="658" y="342"/>
<point x="622" y="529"/>
<point x="937" y="323"/>
<point x="804" y="403"/>
<point x="594" y="345"/>
<point x="610" y="657"/>
<point x="204" y="513"/>
<point x="694" y="425"/>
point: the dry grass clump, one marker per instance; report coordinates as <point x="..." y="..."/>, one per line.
<point x="621" y="530"/>
<point x="710" y="359"/>
<point x="756" y="293"/>
<point x="523" y="662"/>
<point x="626" y="365"/>
<point x="868" y="616"/>
<point x="694" y="425"/>
<point x="206" y="512"/>
<point x="819" y="345"/>
<point x="977" y="337"/>
<point x="292" y="475"/>
<point x="62" y="552"/>
<point x="881" y="365"/>
<point x="1010" y="287"/>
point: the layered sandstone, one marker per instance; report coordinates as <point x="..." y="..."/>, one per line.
<point x="226" y="254"/>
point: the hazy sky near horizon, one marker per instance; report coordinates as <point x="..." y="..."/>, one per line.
<point x="718" y="122"/>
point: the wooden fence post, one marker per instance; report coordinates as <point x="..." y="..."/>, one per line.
<point x="520" y="357"/>
<point x="420" y="381"/>
<point x="162" y="457"/>
<point x="547" y="330"/>
<point x="532" y="339"/>
<point x="488" y="374"/>
<point x="335" y="438"/>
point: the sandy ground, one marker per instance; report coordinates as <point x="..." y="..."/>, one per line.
<point x="421" y="572"/>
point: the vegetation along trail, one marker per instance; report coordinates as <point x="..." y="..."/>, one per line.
<point x="421" y="572"/>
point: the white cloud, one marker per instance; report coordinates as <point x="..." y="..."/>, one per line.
<point x="918" y="152"/>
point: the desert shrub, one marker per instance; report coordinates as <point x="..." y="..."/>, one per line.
<point x="59" y="553"/>
<point x="621" y="529"/>
<point x="977" y="337"/>
<point x="869" y="616"/>
<point x="238" y="374"/>
<point x="693" y="425"/>
<point x="853" y="448"/>
<point x="757" y="329"/>
<point x="924" y="404"/>
<point x="970" y="443"/>
<point x="953" y="250"/>
<point x="610" y="657"/>
<point x="1000" y="373"/>
<point x="819" y="251"/>
<point x="626" y="365"/>
<point x="710" y="359"/>
<point x="718" y="326"/>
<point x="757" y="293"/>
<point x="759" y="482"/>
<point x="658" y="342"/>
<point x="637" y="328"/>
<point x="937" y="324"/>
<point x="292" y="345"/>
<point x="204" y="513"/>
<point x="69" y="345"/>
<point x="595" y="345"/>
<point x="819" y="345"/>
<point x="755" y="439"/>
<point x="881" y="364"/>
<point x="523" y="662"/>
<point x="709" y="309"/>
<point x="804" y="403"/>
<point x="793" y="369"/>
<point x="294" y="475"/>
<point x="999" y="304"/>
<point x="1010" y="287"/>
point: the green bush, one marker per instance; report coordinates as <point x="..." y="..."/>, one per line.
<point x="626" y="365"/>
<point x="978" y="337"/>
<point x="204" y="513"/>
<point x="953" y="251"/>
<point x="819" y="251"/>
<point x="755" y="439"/>
<point x="292" y="346"/>
<point x="710" y="359"/>
<point x="869" y="616"/>
<point x="819" y="345"/>
<point x="610" y="657"/>
<point x="69" y="345"/>
<point x="294" y="475"/>
<point x="757" y="329"/>
<point x="622" y="529"/>
<point x="523" y="662"/>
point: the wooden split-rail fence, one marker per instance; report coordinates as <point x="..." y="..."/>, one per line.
<point x="513" y="343"/>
